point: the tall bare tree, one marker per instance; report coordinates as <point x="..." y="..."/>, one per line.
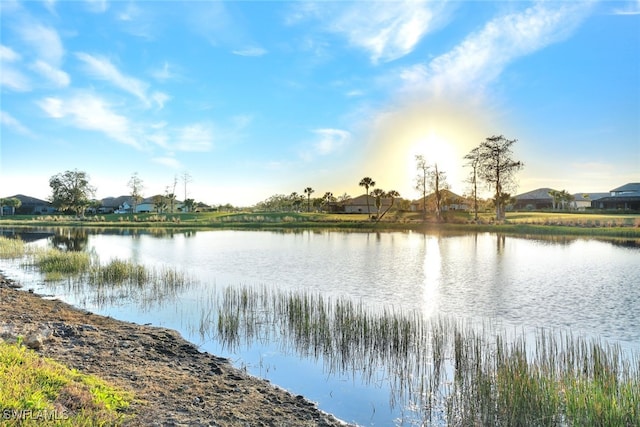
<point x="497" y="168"/>
<point x="186" y="179"/>
<point x="136" y="186"/>
<point x="473" y="161"/>
<point x="438" y="183"/>
<point x="422" y="180"/>
<point x="367" y="183"/>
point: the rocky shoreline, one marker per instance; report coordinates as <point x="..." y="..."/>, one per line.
<point x="174" y="383"/>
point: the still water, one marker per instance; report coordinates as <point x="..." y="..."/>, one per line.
<point x="589" y="287"/>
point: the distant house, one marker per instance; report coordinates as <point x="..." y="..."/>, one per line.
<point x="625" y="198"/>
<point x="450" y="201"/>
<point x="33" y="206"/>
<point x="534" y="200"/>
<point x="359" y="204"/>
<point x="582" y="201"/>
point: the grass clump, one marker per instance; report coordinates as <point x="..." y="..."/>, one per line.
<point x="118" y="272"/>
<point x="35" y="390"/>
<point x="11" y="248"/>
<point x="56" y="264"/>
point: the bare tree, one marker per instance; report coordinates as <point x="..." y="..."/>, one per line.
<point x="497" y="169"/>
<point x="186" y="179"/>
<point x="136" y="186"/>
<point x="421" y="181"/>
<point x="473" y="161"/>
<point x="437" y="183"/>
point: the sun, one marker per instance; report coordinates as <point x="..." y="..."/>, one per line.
<point x="443" y="136"/>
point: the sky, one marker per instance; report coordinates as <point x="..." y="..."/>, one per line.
<point x="252" y="99"/>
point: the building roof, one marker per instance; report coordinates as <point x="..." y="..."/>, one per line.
<point x="539" y="194"/>
<point x="580" y="197"/>
<point x="30" y="201"/>
<point x="632" y="187"/>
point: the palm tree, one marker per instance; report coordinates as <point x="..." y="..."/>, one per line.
<point x="378" y="194"/>
<point x="392" y="194"/>
<point x="328" y="198"/>
<point x="308" y="192"/>
<point x="367" y="182"/>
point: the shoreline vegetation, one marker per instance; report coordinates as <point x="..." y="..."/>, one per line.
<point x="600" y="225"/>
<point x="491" y="378"/>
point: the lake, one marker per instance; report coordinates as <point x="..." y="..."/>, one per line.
<point x="588" y="287"/>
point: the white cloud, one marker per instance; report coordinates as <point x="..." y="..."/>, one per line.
<point x="195" y="137"/>
<point x="90" y="112"/>
<point x="250" y="51"/>
<point x="54" y="75"/>
<point x="12" y="123"/>
<point x="632" y="8"/>
<point x="103" y="69"/>
<point x="331" y="140"/>
<point x="14" y="79"/>
<point x="164" y="73"/>
<point x="170" y="162"/>
<point x="7" y="54"/>
<point x="386" y="30"/>
<point x="97" y="6"/>
<point x="483" y="55"/>
<point x="44" y="41"/>
<point x="160" y="98"/>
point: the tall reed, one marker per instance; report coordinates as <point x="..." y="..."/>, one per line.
<point x="448" y="371"/>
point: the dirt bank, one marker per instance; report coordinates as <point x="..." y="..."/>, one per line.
<point x="175" y="384"/>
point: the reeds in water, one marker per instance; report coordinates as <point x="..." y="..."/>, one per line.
<point x="451" y="372"/>
<point x="11" y="248"/>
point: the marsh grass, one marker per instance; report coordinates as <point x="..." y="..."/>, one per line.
<point x="450" y="372"/>
<point x="12" y="248"/>
<point x="40" y="387"/>
<point x="84" y="274"/>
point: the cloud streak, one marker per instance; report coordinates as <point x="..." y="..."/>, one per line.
<point x="102" y="68"/>
<point x="386" y="30"/>
<point x="90" y="112"/>
<point x="482" y="56"/>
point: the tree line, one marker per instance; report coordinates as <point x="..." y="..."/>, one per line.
<point x="491" y="163"/>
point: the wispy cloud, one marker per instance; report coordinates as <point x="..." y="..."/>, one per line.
<point x="250" y="51"/>
<point x="7" y="54"/>
<point x="12" y="123"/>
<point x="632" y="8"/>
<point x="43" y="40"/>
<point x="97" y="6"/>
<point x="14" y="79"/>
<point x="170" y="162"/>
<point x="54" y="75"/>
<point x="386" y="30"/>
<point x="195" y="137"/>
<point x="164" y="73"/>
<point x="328" y="141"/>
<point x="90" y="112"/>
<point x="481" y="58"/>
<point x="102" y="68"/>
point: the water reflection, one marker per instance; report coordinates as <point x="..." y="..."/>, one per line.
<point x="587" y="286"/>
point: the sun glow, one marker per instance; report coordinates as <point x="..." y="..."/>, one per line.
<point x="442" y="134"/>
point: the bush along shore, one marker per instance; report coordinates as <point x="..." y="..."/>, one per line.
<point x="69" y="367"/>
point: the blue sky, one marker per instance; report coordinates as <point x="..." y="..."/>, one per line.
<point x="260" y="98"/>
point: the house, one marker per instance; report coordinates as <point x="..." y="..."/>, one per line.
<point x="33" y="206"/>
<point x="534" y="200"/>
<point x="450" y="201"/>
<point x="582" y="201"/>
<point x="626" y="197"/>
<point x="359" y="204"/>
